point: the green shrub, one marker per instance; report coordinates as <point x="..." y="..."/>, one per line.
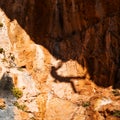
<point x="86" y="104"/>
<point x="17" y="92"/>
<point x="21" y="107"/>
<point x="116" y="113"/>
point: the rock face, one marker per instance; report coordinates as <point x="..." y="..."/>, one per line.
<point x="83" y="31"/>
<point x="61" y="45"/>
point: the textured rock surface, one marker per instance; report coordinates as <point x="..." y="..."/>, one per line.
<point x="60" y="46"/>
<point x="2" y="103"/>
<point x="84" y="31"/>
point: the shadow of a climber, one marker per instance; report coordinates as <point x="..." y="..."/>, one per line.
<point x="65" y="79"/>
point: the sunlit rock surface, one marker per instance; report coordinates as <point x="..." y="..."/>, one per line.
<point x="65" y="52"/>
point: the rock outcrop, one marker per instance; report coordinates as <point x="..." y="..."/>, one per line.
<point x="67" y="50"/>
<point x="83" y="31"/>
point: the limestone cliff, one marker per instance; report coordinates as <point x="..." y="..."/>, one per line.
<point x="68" y="50"/>
<point x="83" y="31"/>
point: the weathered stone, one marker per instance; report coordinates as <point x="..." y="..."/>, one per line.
<point x="90" y="36"/>
<point x="2" y="103"/>
<point x="59" y="109"/>
<point x="77" y="41"/>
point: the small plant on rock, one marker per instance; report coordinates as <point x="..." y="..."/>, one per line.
<point x="86" y="104"/>
<point x="17" y="92"/>
<point x="20" y="106"/>
<point x="116" y="113"/>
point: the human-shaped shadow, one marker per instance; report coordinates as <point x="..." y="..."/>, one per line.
<point x="65" y="79"/>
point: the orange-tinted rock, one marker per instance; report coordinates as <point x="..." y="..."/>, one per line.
<point x="84" y="31"/>
<point x="82" y="34"/>
<point x="2" y="104"/>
